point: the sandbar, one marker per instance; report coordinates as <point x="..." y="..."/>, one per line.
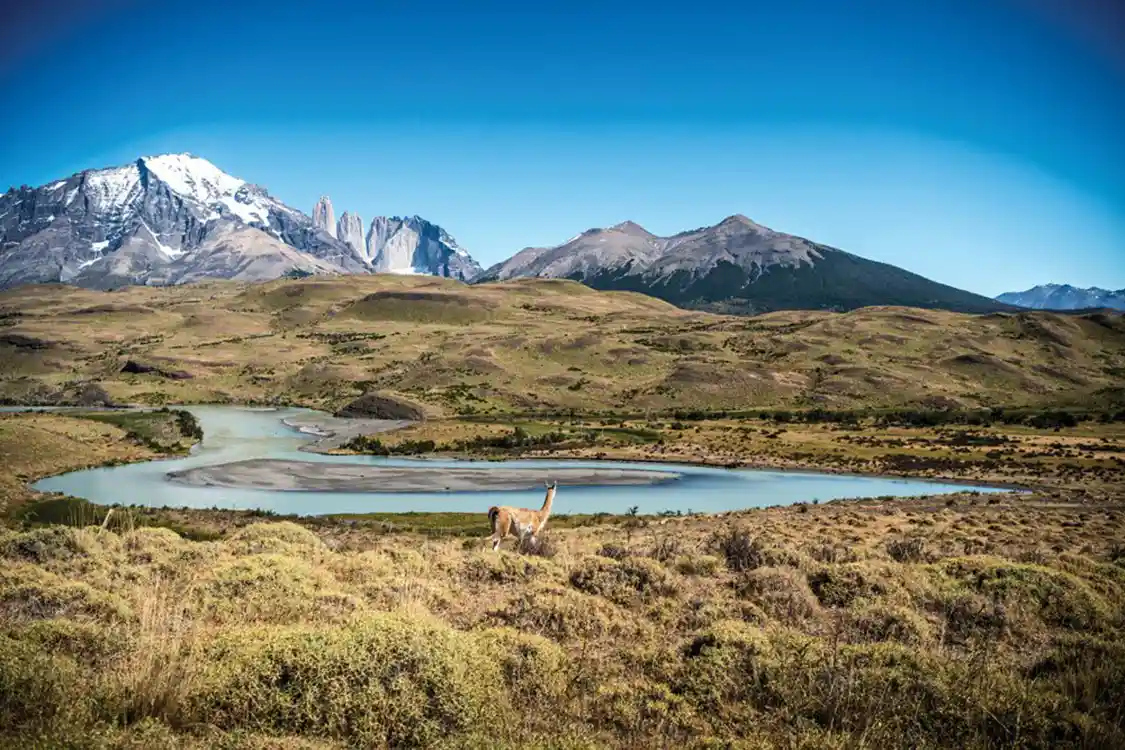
<point x="317" y="476"/>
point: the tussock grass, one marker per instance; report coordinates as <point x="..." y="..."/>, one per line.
<point x="787" y="628"/>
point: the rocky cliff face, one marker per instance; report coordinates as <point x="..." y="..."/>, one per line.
<point x="176" y="217"/>
<point x="415" y="246"/>
<point x="323" y="216"/>
<point x="350" y="231"/>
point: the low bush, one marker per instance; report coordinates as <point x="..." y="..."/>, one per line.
<point x="380" y="681"/>
<point x="625" y="581"/>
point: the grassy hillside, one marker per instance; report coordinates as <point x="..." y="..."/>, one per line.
<point x="534" y="345"/>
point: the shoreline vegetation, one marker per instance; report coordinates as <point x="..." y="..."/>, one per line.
<point x="578" y="438"/>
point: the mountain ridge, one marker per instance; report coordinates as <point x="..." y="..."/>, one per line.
<point x="734" y="266"/>
<point x="173" y="218"/>
<point x="1065" y="297"/>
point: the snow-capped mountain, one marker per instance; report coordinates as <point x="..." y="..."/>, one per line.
<point x="1065" y="297"/>
<point x="167" y="219"/>
<point x="734" y="266"/>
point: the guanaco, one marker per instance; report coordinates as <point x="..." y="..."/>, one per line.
<point x="522" y="523"/>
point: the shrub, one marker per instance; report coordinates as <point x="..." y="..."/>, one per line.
<point x="908" y="550"/>
<point x="42" y="545"/>
<point x="782" y="593"/>
<point x="623" y="581"/>
<point x="534" y="668"/>
<point x="727" y="672"/>
<point x="87" y="642"/>
<point x="613" y="551"/>
<point x="283" y="537"/>
<point x="382" y="681"/>
<point x="1055" y="597"/>
<point x="665" y="548"/>
<point x="271" y="588"/>
<point x="741" y="551"/>
<point x="840" y="585"/>
<point x="539" y="546"/>
<point x="877" y="621"/>
<point x="564" y="614"/>
<point x="30" y="593"/>
<point x="698" y="565"/>
<point x="37" y="687"/>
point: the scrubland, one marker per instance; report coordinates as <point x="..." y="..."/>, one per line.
<point x="973" y="621"/>
<point x="968" y="621"/>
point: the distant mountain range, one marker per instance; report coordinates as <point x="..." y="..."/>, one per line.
<point x="735" y="266"/>
<point x="177" y="218"/>
<point x="1065" y="297"/>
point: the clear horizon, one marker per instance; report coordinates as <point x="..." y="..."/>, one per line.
<point x="977" y="144"/>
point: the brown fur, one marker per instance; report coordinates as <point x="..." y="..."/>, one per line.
<point x="521" y="523"/>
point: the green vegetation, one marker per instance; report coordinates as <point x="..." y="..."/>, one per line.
<point x="162" y="430"/>
<point x="520" y="439"/>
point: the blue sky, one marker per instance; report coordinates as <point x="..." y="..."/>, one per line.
<point x="978" y="143"/>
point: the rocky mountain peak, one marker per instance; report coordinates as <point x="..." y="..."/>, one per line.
<point x="631" y="227"/>
<point x="738" y="223"/>
<point x="349" y="230"/>
<point x="736" y="266"/>
<point x="323" y="216"/>
<point x="1065" y="297"/>
<point x="175" y="218"/>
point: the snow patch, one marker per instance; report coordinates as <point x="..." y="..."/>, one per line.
<point x="87" y="263"/>
<point x="171" y="252"/>
<point x="112" y="188"/>
<point x="56" y="185"/>
<point x="248" y="212"/>
<point x="193" y="177"/>
<point x="99" y="246"/>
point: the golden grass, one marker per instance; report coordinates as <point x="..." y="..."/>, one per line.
<point x="33" y="446"/>
<point x="864" y="623"/>
<point x="539" y="344"/>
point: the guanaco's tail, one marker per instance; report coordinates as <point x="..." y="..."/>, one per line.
<point x="492" y="513"/>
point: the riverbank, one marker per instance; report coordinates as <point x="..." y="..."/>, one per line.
<point x="1088" y="457"/>
<point x="38" y="444"/>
